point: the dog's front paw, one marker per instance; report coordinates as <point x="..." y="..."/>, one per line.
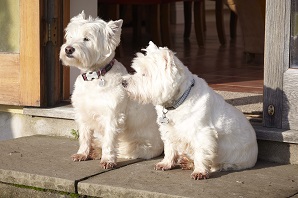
<point x="107" y="165"/>
<point x="200" y="175"/>
<point x="79" y="157"/>
<point x="94" y="154"/>
<point x="186" y="163"/>
<point x="162" y="166"/>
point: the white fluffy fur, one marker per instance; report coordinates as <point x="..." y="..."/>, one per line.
<point x="205" y="129"/>
<point x="110" y="124"/>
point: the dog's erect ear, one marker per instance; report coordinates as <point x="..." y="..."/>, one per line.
<point x="172" y="66"/>
<point x="169" y="58"/>
<point x="151" y="47"/>
<point x="82" y="15"/>
<point x="113" y="34"/>
<point x="116" y="25"/>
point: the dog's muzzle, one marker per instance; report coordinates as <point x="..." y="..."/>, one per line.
<point x="69" y="51"/>
<point x="124" y="83"/>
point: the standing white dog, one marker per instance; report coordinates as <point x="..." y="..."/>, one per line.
<point x="195" y="122"/>
<point x="110" y="124"/>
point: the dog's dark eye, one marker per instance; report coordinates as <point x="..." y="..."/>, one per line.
<point x="86" y="39"/>
<point x="143" y="75"/>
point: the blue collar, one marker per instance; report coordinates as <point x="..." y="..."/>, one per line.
<point x="182" y="98"/>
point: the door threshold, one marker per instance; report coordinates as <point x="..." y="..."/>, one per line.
<point x="63" y="111"/>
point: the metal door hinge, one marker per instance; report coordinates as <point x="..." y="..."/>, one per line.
<point x="51" y="32"/>
<point x="271" y="110"/>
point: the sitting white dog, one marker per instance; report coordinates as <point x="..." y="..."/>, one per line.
<point x="110" y="125"/>
<point x="196" y="123"/>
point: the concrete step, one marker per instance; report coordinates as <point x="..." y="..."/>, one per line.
<point x="55" y="121"/>
<point x="40" y="166"/>
<point x="276" y="145"/>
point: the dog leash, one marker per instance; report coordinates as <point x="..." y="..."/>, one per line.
<point x="178" y="102"/>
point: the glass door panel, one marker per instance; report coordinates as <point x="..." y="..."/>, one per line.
<point x="9" y="26"/>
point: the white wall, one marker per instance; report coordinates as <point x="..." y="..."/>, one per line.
<point x="76" y="7"/>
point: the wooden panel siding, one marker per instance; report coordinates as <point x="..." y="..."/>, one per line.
<point x="9" y="80"/>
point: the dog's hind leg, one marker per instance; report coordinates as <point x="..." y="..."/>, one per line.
<point x="85" y="139"/>
<point x="205" y="151"/>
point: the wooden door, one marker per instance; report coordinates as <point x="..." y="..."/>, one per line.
<point x="20" y="82"/>
<point x="280" y="76"/>
<point x="31" y="73"/>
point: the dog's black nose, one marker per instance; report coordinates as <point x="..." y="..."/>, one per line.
<point x="69" y="50"/>
<point x="124" y="83"/>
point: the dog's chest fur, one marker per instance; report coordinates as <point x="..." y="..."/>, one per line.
<point x="194" y="112"/>
<point x="175" y="131"/>
<point x="93" y="102"/>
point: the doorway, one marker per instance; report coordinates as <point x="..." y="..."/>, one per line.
<point x="225" y="68"/>
<point x="76" y="7"/>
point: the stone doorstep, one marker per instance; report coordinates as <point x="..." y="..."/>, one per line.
<point x="277" y="135"/>
<point x="44" y="162"/>
<point x="63" y="112"/>
<point x="263" y="133"/>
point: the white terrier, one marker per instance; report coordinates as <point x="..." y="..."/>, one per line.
<point x="196" y="124"/>
<point x="110" y="125"/>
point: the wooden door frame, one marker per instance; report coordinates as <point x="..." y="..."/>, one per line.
<point x="276" y="60"/>
<point x="66" y="70"/>
<point x="31" y="86"/>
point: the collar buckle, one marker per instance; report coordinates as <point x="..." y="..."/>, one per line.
<point x="89" y="76"/>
